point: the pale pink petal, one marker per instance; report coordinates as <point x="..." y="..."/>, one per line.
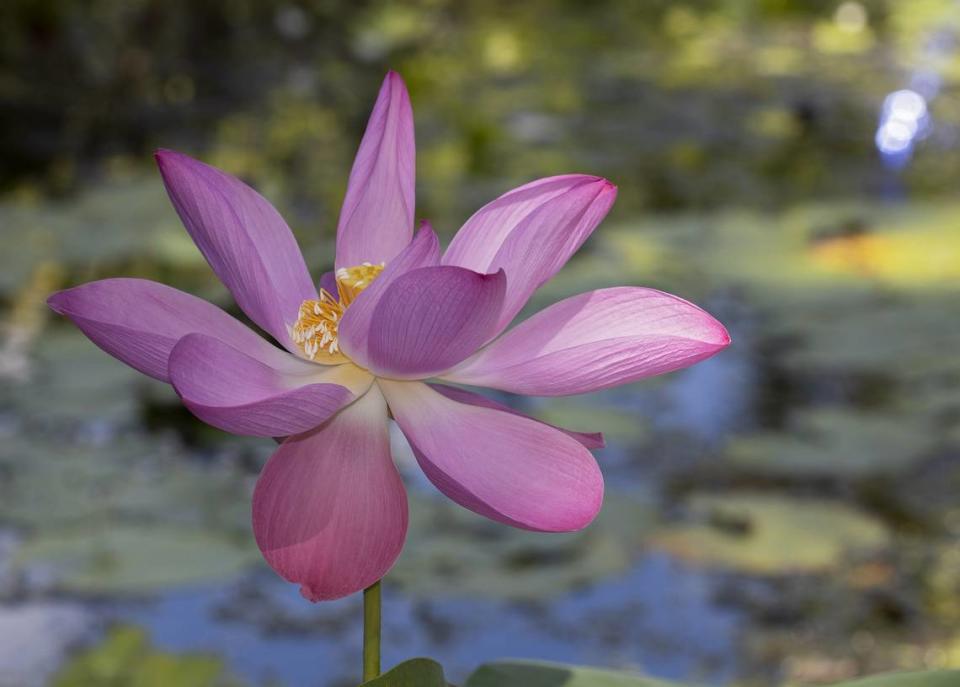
<point x="503" y="466"/>
<point x="531" y="232"/>
<point x="241" y="394"/>
<point x="354" y="330"/>
<point x="244" y="239"/>
<point x="432" y="318"/>
<point x="140" y="321"/>
<point x="460" y="395"/>
<point x="376" y="221"/>
<point x="595" y="341"/>
<point x="329" y="509"/>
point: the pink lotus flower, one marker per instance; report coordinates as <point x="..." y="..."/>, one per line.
<point x="329" y="509"/>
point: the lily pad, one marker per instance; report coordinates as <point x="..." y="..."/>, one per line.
<point x="542" y="674"/>
<point x="763" y="534"/>
<point x="73" y="381"/>
<point x="136" y="559"/>
<point x="417" y="672"/>
<point x="442" y="556"/>
<point x="55" y="484"/>
<point x="126" y="658"/>
<point x="828" y="442"/>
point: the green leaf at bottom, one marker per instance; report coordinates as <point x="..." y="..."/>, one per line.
<point x="538" y="674"/>
<point x="417" y="672"/>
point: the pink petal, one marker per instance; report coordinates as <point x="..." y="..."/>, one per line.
<point x="328" y="282"/>
<point x="140" y="321"/>
<point x="432" y="318"/>
<point x="455" y="393"/>
<point x="503" y="466"/>
<point x="595" y="341"/>
<point x="531" y="232"/>
<point x="244" y="239"/>
<point x="376" y="221"/>
<point x="273" y="397"/>
<point x="354" y="330"/>
<point x="329" y="509"/>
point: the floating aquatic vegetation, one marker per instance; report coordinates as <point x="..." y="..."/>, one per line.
<point x="445" y="558"/>
<point x="542" y="674"/>
<point x="834" y="442"/>
<point x="70" y="384"/>
<point x="122" y="221"/>
<point x="768" y="534"/>
<point x="117" y="558"/>
<point x="125" y="658"/>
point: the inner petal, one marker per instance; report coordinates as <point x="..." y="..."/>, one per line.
<point x="316" y="329"/>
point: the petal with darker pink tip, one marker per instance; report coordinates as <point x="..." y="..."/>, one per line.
<point x="594" y="341"/>
<point x="241" y="394"/>
<point x="376" y="221"/>
<point x="354" y="330"/>
<point x="431" y="318"/>
<point x="245" y="240"/>
<point x="531" y="232"/>
<point x="140" y="321"/>
<point x="329" y="508"/>
<point x="588" y="439"/>
<point x="503" y="466"/>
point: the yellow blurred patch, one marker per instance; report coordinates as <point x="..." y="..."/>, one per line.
<point x="920" y="257"/>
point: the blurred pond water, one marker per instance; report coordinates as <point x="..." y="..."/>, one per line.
<point x="785" y="509"/>
<point x="784" y="512"/>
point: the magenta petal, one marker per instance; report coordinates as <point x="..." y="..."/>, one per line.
<point x="140" y="321"/>
<point x="273" y="397"/>
<point x="376" y="221"/>
<point x="329" y="509"/>
<point x="531" y="232"/>
<point x="354" y="329"/>
<point x="432" y="318"/>
<point x="503" y="466"/>
<point x="244" y="239"/>
<point x="595" y="341"/>
<point x="454" y="393"/>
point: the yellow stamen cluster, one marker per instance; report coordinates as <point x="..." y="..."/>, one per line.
<point x="315" y="331"/>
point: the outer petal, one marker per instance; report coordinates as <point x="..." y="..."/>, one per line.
<point x="594" y="341"/>
<point x="431" y="318"/>
<point x="244" y="239"/>
<point x="454" y="393"/>
<point x="280" y="396"/>
<point x="531" y="232"/>
<point x="329" y="509"/>
<point x="140" y="321"/>
<point x="354" y="330"/>
<point x="376" y="221"/>
<point x="500" y="465"/>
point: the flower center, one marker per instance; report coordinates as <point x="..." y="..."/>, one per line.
<point x="315" y="331"/>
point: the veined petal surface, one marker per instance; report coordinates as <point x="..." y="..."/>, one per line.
<point x="431" y="318"/>
<point x="354" y="330"/>
<point x="531" y="232"/>
<point x="278" y="396"/>
<point x="245" y="240"/>
<point x="140" y="321"/>
<point x="594" y="341"/>
<point x="329" y="508"/>
<point x="503" y="466"/>
<point x="376" y="221"/>
<point x="454" y="393"/>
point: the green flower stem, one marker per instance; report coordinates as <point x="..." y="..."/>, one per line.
<point x="371" y="631"/>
